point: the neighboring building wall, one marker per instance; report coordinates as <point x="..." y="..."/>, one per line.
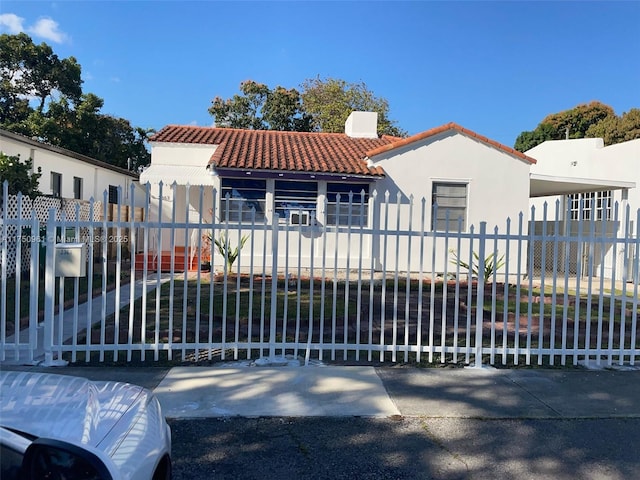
<point x="622" y="161"/>
<point x="81" y="178"/>
<point x="96" y="176"/>
<point x="588" y="158"/>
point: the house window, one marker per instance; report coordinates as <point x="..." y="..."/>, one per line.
<point x="295" y="202"/>
<point x="56" y="184"/>
<point x="239" y="197"/>
<point x="595" y="205"/>
<point x="349" y="210"/>
<point x="113" y="194"/>
<point x="449" y="204"/>
<point x="77" y="188"/>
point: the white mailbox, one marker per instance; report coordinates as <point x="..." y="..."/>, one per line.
<point x="70" y="259"/>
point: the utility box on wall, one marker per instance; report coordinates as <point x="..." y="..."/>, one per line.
<point x="70" y="259"/>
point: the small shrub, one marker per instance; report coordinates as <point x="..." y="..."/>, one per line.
<point x="491" y="264"/>
<point x="225" y="249"/>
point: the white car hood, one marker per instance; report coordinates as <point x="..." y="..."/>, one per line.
<point x="67" y="408"/>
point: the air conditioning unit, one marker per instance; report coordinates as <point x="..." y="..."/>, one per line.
<point x="299" y="217"/>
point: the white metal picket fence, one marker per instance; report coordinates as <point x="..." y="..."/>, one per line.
<point x="391" y="292"/>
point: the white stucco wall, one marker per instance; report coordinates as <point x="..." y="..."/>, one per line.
<point x="621" y="162"/>
<point x="588" y="158"/>
<point x="498" y="183"/>
<point x="95" y="179"/>
<point x="566" y="158"/>
<point x="185" y="154"/>
<point x="498" y="186"/>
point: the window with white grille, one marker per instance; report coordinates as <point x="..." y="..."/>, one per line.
<point x="240" y="196"/>
<point x="595" y="205"/>
<point x="347" y="204"/>
<point x="295" y="202"/>
<point x="114" y="196"/>
<point x="449" y="206"/>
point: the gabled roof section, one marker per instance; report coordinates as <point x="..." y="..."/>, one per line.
<point x="331" y="153"/>
<point x="444" y="128"/>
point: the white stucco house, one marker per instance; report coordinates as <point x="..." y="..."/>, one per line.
<point x="584" y="180"/>
<point x="307" y="179"/>
<point x="67" y="174"/>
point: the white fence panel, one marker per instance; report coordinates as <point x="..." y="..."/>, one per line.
<point x="393" y="290"/>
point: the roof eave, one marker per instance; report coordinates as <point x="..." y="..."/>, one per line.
<point x="291" y="174"/>
<point x="67" y="153"/>
<point x="444" y="128"/>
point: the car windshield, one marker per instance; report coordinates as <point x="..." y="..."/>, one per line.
<point x="46" y="459"/>
<point x="12" y="448"/>
<point x="10" y="461"/>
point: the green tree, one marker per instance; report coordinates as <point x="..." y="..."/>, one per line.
<point x="241" y="111"/>
<point x="572" y="123"/>
<point x="323" y="105"/>
<point x="15" y="52"/>
<point x="41" y="97"/>
<point x="260" y="108"/>
<point x="30" y="70"/>
<point x="528" y="140"/>
<point x="616" y="129"/>
<point x="283" y="111"/>
<point x="19" y="176"/>
<point x="329" y="102"/>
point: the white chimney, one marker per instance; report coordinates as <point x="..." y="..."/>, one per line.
<point x="362" y="125"/>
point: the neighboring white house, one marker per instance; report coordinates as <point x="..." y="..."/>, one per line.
<point x="298" y="176"/>
<point x="583" y="179"/>
<point x="585" y="165"/>
<point x="68" y="174"/>
<point x="68" y="181"/>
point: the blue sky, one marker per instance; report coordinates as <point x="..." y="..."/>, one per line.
<point x="494" y="67"/>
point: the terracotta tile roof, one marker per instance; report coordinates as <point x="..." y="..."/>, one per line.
<point x="332" y="153"/>
<point x="449" y="126"/>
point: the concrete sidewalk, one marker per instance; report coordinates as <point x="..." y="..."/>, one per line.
<point x="361" y="391"/>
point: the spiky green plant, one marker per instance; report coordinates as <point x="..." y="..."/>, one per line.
<point x="229" y="253"/>
<point x="491" y="264"/>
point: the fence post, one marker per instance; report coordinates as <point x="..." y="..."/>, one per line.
<point x="49" y="294"/>
<point x="480" y="294"/>
<point x="274" y="287"/>
<point x="4" y="255"/>
<point x="34" y="279"/>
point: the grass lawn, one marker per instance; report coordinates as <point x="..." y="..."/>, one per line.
<point x="25" y="288"/>
<point x="189" y="312"/>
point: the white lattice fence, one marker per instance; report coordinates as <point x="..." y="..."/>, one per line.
<point x="16" y="213"/>
<point x="15" y="207"/>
